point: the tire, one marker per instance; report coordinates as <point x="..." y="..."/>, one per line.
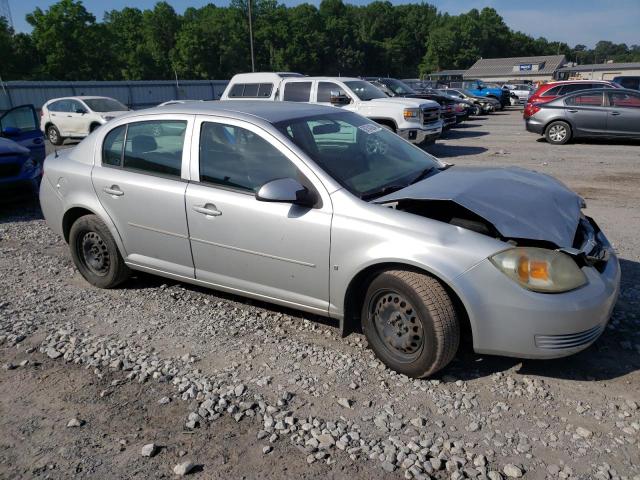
<point x="476" y="110"/>
<point x="428" y="142"/>
<point x="425" y="332"/>
<point x="95" y="253"/>
<point x="53" y="135"/>
<point x="558" y="133"/>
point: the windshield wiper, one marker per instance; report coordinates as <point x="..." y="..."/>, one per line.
<point x="383" y="191"/>
<point x="422" y="175"/>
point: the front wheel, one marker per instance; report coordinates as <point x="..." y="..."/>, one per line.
<point x="558" y="133"/>
<point x="95" y="253"/>
<point x="410" y="322"/>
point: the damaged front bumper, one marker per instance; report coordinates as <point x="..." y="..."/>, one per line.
<point x="510" y="320"/>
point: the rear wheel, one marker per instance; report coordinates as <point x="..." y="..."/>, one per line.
<point x="53" y="134"/>
<point x="410" y="322"/>
<point x="95" y="253"/>
<point x="558" y="133"/>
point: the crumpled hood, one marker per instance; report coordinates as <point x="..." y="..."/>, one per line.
<point x="519" y="203"/>
<point x="9" y="146"/>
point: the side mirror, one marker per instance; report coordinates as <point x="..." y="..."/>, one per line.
<point x="11" y="132"/>
<point x="286" y="190"/>
<point x="339" y="98"/>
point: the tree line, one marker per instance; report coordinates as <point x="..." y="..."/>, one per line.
<point x="335" y="38"/>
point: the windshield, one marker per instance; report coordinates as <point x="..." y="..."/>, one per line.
<point x="400" y="88"/>
<point x="360" y="155"/>
<point x="104" y="105"/>
<point x="364" y="90"/>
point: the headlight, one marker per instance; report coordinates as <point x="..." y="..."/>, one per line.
<point x="411" y="114"/>
<point x="539" y="269"/>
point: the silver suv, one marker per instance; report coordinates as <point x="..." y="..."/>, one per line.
<point x="324" y="210"/>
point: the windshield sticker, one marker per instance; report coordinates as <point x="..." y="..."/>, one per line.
<point x="370" y="128"/>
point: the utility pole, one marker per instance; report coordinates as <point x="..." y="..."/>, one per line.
<point x="253" y="64"/>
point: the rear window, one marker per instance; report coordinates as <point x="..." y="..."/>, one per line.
<point x="251" y="90"/>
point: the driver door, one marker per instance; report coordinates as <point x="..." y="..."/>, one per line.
<point x="275" y="251"/>
<point x="21" y="125"/>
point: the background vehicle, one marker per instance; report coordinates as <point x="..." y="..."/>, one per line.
<point x="484" y="104"/>
<point x="346" y="220"/>
<point x="552" y="90"/>
<point x="22" y="152"/>
<point x="608" y="112"/>
<point x="414" y="119"/>
<point x="519" y="93"/>
<point x="77" y="117"/>
<point x="396" y="88"/>
<point x="628" y="82"/>
<point x="480" y="89"/>
<point x="418" y="85"/>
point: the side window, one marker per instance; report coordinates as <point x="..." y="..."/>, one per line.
<point x="585" y="100"/>
<point x="251" y="90"/>
<point x="325" y="89"/>
<point x="236" y="90"/>
<point x="238" y="158"/>
<point x="61" y="106"/>
<point x="54" y="107"/>
<point x="113" y="146"/>
<point x="155" y="147"/>
<point x="22" y="118"/>
<point x="552" y="92"/>
<point x="76" y="107"/>
<point x="630" y="82"/>
<point x="624" y="100"/>
<point x="297" y="92"/>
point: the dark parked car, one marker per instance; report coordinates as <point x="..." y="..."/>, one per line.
<point x="483" y="104"/>
<point x="628" y="82"/>
<point x="603" y="112"/>
<point x="22" y="152"/>
<point x="396" y="88"/>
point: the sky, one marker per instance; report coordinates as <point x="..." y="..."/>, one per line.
<point x="571" y="21"/>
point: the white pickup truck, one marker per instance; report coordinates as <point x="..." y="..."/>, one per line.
<point x="416" y="120"/>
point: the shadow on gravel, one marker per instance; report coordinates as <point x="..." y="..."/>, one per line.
<point x="598" y="141"/>
<point x="446" y="151"/>
<point x="22" y="209"/>
<point x="462" y="132"/>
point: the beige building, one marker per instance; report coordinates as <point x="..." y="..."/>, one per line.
<point x="598" y="71"/>
<point x="533" y="69"/>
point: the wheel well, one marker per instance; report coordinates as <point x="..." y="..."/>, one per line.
<point x="69" y="218"/>
<point x="94" y="125"/>
<point x="385" y="121"/>
<point x="47" y="125"/>
<point x="357" y="290"/>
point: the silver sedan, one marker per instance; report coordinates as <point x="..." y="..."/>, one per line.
<point x="323" y="210"/>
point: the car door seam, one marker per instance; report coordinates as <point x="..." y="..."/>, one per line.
<point x="157" y="230"/>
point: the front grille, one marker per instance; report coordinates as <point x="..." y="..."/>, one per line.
<point x="9" y="169"/>
<point x="430" y="115"/>
<point x="557" y="342"/>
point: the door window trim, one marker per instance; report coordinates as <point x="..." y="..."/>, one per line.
<point x="307" y="173"/>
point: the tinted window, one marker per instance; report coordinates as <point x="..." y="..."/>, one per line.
<point x="629" y="82"/>
<point x="297" y="92"/>
<point x="22" y="118"/>
<point x="624" y="100"/>
<point x="251" y="90"/>
<point x="586" y="100"/>
<point x="325" y="89"/>
<point x="113" y="145"/>
<point x="105" y="105"/>
<point x="60" y="106"/>
<point x="235" y="157"/>
<point x="574" y="87"/>
<point x="552" y="92"/>
<point x="155" y="147"/>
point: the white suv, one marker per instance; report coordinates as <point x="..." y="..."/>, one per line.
<point x="414" y="119"/>
<point x="77" y="117"/>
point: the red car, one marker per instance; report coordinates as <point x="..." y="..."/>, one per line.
<point x="552" y="90"/>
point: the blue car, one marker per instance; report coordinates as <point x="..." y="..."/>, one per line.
<point x="22" y="152"/>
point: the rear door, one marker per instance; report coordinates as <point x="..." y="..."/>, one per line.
<point x="140" y="179"/>
<point x="76" y="119"/>
<point x="20" y="124"/>
<point x="586" y="113"/>
<point x="623" y="114"/>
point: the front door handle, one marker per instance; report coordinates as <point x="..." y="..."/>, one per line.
<point x="615" y="113"/>
<point x="572" y="110"/>
<point x="208" y="209"/>
<point x="113" y="190"/>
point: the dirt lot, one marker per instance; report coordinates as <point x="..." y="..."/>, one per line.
<point x="249" y="390"/>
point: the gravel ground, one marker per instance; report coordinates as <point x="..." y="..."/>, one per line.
<point x="227" y="387"/>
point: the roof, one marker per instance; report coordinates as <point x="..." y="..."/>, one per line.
<point x="271" y="112"/>
<point x="602" y="66"/>
<point x="447" y="73"/>
<point x="500" y="67"/>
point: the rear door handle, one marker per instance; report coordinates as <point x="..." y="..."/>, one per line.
<point x="615" y="113"/>
<point x="208" y="209"/>
<point x="571" y="110"/>
<point x="113" y="190"/>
